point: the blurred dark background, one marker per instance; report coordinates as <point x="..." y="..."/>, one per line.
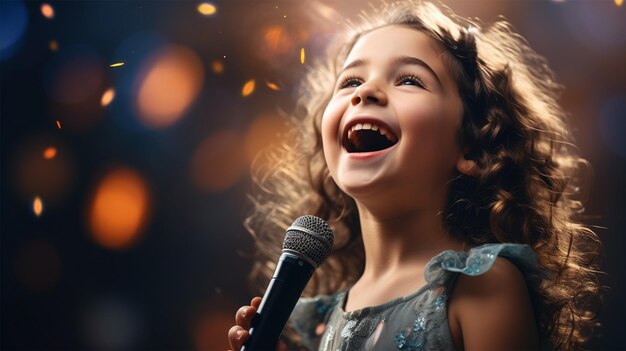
<point x="127" y="133"/>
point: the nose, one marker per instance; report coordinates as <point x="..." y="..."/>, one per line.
<point x="369" y="93"/>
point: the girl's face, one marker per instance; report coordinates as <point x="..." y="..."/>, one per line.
<point x="390" y="129"/>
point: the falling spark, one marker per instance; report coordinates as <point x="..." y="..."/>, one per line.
<point x="207" y="9"/>
<point x="248" y="88"/>
<point x="47" y="11"/>
<point x="54" y="46"/>
<point x="107" y="97"/>
<point x="302" y="56"/>
<point x="272" y="86"/>
<point x="619" y="3"/>
<point x="117" y="64"/>
<point x="217" y="67"/>
<point x="37" y="206"/>
<point x="58" y="124"/>
<point x="49" y="153"/>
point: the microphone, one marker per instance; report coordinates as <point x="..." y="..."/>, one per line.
<point x="308" y="242"/>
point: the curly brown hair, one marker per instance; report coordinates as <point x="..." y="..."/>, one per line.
<point x="528" y="189"/>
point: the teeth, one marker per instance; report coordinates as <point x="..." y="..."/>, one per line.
<point x="371" y="126"/>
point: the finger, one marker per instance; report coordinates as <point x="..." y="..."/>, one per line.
<point x="236" y="337"/>
<point x="256" y="301"/>
<point x="244" y="316"/>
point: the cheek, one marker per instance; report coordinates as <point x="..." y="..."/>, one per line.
<point x="433" y="130"/>
<point x="329" y="126"/>
<point x="331" y="120"/>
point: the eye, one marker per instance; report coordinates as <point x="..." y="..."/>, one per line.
<point x="349" y="82"/>
<point x="410" y="79"/>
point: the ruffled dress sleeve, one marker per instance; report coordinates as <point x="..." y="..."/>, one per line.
<point x="480" y="259"/>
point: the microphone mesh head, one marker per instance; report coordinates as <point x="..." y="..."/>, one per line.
<point x="311" y="237"/>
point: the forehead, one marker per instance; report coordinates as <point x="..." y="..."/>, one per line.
<point x="382" y="44"/>
<point x="395" y="36"/>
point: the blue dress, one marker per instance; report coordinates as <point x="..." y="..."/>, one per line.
<point x="415" y="322"/>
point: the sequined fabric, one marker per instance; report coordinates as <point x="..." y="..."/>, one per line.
<point x="416" y="322"/>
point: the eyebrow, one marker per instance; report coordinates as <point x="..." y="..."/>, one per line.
<point x="400" y="60"/>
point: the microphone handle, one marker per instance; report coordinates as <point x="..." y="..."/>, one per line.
<point x="291" y="275"/>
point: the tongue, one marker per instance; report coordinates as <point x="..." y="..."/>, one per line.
<point x="365" y="140"/>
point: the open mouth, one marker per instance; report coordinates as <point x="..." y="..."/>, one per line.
<point x="368" y="137"/>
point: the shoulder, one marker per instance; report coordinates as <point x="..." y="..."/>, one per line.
<point x="493" y="310"/>
<point x="503" y="278"/>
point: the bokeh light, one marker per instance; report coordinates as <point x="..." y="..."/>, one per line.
<point x="37" y="206"/>
<point x="73" y="75"/>
<point x="13" y="22"/>
<point x="302" y="57"/>
<point x="171" y="84"/>
<point x="49" y="153"/>
<point x="248" y="88"/>
<point x="217" y="67"/>
<point x="37" y="265"/>
<point x="137" y="51"/>
<point x="34" y="173"/>
<point x="73" y="79"/>
<point x="277" y="41"/>
<point x="107" y="97"/>
<point x="211" y="324"/>
<point x="218" y="162"/>
<point x="53" y="45"/>
<point x="47" y="10"/>
<point x="119" y="209"/>
<point x="265" y="131"/>
<point x="272" y="86"/>
<point x="207" y="9"/>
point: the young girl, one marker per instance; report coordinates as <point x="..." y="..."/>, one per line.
<point x="439" y="155"/>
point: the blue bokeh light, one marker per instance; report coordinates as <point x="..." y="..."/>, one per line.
<point x="13" y="22"/>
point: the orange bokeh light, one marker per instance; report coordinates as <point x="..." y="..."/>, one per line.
<point x="218" y="162"/>
<point x="47" y="11"/>
<point x="272" y="86"/>
<point x="217" y="67"/>
<point x="277" y="41"/>
<point x="49" y="153"/>
<point x="37" y="206"/>
<point x="119" y="209"/>
<point x="265" y="132"/>
<point x="248" y="88"/>
<point x="34" y="172"/>
<point x="53" y="45"/>
<point x="211" y="322"/>
<point x="107" y="97"/>
<point x="172" y="83"/>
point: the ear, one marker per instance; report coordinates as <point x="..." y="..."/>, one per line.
<point x="467" y="167"/>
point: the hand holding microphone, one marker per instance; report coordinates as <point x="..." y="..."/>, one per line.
<point x="308" y="242"/>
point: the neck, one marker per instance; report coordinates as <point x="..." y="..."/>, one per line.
<point x="404" y="242"/>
